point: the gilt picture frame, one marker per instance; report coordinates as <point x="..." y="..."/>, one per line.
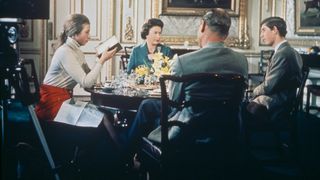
<point x="198" y="7"/>
<point x="307" y="20"/>
<point x="181" y="33"/>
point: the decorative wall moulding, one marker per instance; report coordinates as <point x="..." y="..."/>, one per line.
<point x="128" y="21"/>
<point x="303" y="42"/>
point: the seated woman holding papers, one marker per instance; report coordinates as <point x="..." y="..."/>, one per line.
<point x="67" y="69"/>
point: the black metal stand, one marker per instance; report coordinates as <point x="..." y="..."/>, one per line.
<point x="4" y="118"/>
<point x="13" y="75"/>
<point x="43" y="141"/>
<point x="8" y="59"/>
<point x="6" y="83"/>
<point x="30" y="97"/>
<point x="4" y="98"/>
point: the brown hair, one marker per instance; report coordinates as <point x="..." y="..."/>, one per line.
<point x="278" y="22"/>
<point x="72" y="26"/>
<point x="148" y="25"/>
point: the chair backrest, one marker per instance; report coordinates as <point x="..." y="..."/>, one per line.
<point x="209" y="103"/>
<point x="26" y="82"/>
<point x="298" y="103"/>
<point x="125" y="57"/>
<point x="280" y="116"/>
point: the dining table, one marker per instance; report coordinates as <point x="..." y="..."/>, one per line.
<point x="108" y="98"/>
<point x="123" y="102"/>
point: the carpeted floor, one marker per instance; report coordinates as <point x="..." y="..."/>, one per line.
<point x="302" y="164"/>
<point x="305" y="165"/>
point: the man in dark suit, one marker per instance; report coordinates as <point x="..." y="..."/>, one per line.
<point x="212" y="56"/>
<point x="284" y="71"/>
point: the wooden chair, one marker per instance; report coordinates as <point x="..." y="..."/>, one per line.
<point x="282" y="158"/>
<point x="206" y="141"/>
<point x="297" y="106"/>
<point x="284" y="121"/>
<point x="125" y="57"/>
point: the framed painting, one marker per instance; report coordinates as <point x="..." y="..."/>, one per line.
<point x="198" y="7"/>
<point x="307" y="17"/>
<point x="181" y="33"/>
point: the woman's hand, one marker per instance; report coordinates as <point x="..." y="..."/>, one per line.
<point x="106" y="55"/>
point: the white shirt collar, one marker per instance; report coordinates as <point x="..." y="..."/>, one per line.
<point x="278" y="45"/>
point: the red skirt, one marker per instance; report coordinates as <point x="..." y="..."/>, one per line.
<point x="51" y="99"/>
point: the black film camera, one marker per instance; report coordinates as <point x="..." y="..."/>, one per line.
<point x="9" y="53"/>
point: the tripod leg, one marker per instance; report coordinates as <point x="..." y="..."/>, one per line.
<point x="4" y="144"/>
<point x="43" y="140"/>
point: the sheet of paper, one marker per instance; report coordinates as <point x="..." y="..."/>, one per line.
<point x="79" y="113"/>
<point x="90" y="116"/>
<point x="70" y="111"/>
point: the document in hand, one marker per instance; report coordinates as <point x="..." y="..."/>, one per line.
<point x="109" y="43"/>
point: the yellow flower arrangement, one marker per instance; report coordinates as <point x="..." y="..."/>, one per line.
<point x="142" y="70"/>
<point x="160" y="65"/>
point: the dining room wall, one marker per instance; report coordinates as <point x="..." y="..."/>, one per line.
<point x="124" y="19"/>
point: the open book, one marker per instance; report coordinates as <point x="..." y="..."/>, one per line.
<point x="109" y="43"/>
